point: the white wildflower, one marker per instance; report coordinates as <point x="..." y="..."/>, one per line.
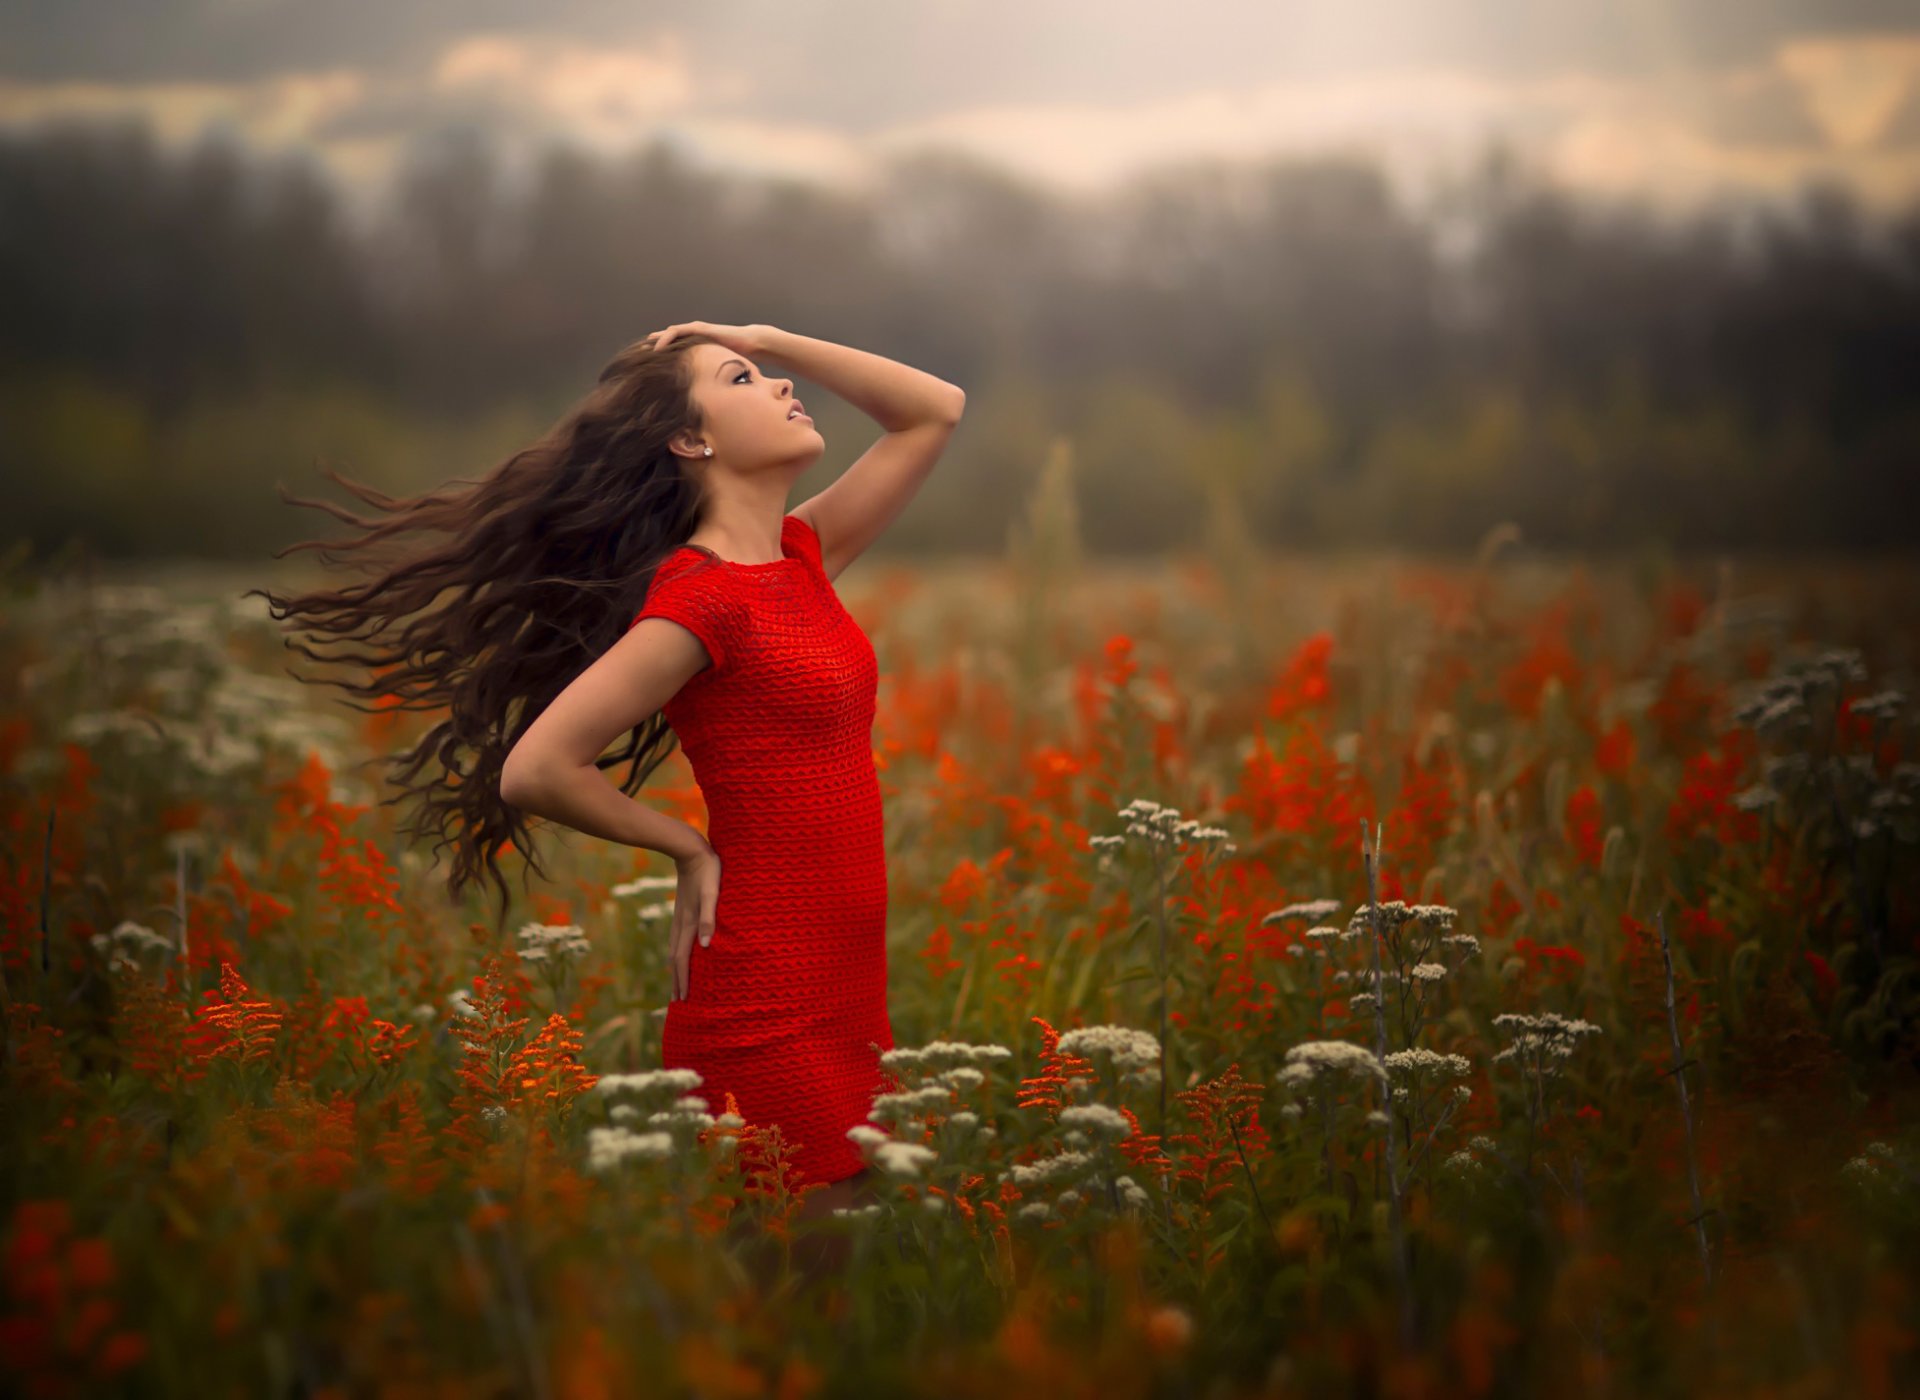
<point x="1314" y="1058"/>
<point x="1097" y="1120"/>
<point x="1422" y="1061"/>
<point x="552" y="942"/>
<point x="1542" y="1039"/>
<point x="902" y="1158"/>
<point x="678" y="1081"/>
<point x="909" y="1103"/>
<point x="941" y="1055"/>
<point x="1309" y="910"/>
<point x="607" y="1148"/>
<point x="1130" y="1049"/>
<point x="1060" y="1166"/>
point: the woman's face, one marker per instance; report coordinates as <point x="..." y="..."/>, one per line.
<point x="751" y="421"/>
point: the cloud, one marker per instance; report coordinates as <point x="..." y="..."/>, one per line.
<point x="1838" y="105"/>
<point x="1854" y="85"/>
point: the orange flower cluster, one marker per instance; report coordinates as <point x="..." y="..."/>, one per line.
<point x="1047" y="1089"/>
<point x="768" y="1172"/>
<point x="234" y="1024"/>
<point x="546" y="1072"/>
<point x="1226" y="1110"/>
<point x="354" y="874"/>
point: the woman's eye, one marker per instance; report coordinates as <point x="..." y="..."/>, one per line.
<point x="742" y="375"/>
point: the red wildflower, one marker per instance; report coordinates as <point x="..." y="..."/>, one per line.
<point x="1047" y="1089"/>
<point x="1583" y="826"/>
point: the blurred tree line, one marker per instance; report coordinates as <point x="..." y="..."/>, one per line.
<point x="1281" y="348"/>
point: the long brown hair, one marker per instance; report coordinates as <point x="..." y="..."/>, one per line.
<point x="548" y="558"/>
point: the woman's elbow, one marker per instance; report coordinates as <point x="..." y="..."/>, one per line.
<point x="520" y="782"/>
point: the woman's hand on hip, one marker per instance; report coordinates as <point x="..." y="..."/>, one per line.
<point x="693" y="905"/>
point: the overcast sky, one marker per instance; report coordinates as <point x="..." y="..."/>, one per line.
<point x="1669" y="101"/>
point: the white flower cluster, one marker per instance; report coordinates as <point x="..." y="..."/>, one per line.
<point x="892" y="1156"/>
<point x="1420" y="1062"/>
<point x="1311" y="1059"/>
<point x="1321" y="934"/>
<point x="1878" y="1165"/>
<point x="1309" y="910"/>
<point x="552" y="942"/>
<point x="1882" y="707"/>
<point x="607" y="1148"/>
<point x="1542" y="1040"/>
<point x="1132" y="1051"/>
<point x="938" y="1055"/>
<point x="1395" y="912"/>
<point x="127" y="943"/>
<point x="1068" y="1165"/>
<point x="649" y="913"/>
<point x="1163" y="827"/>
<point x="181" y="697"/>
<point x="1097" y="1121"/>
<point x="663" y="1081"/>
<point x="910" y="1103"/>
<point x="689" y="1114"/>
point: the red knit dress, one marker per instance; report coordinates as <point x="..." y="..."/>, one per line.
<point x="787" y="1007"/>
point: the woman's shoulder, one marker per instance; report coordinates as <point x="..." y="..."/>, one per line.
<point x="800" y="537"/>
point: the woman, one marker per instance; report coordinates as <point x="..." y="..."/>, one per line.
<point x="636" y="566"/>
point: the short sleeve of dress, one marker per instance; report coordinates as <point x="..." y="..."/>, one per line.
<point x="803" y="539"/>
<point x="692" y="595"/>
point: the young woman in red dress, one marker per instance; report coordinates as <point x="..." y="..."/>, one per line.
<point x="779" y="933"/>
<point x="637" y="571"/>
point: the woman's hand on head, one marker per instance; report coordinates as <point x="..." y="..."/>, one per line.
<point x="742" y="340"/>
<point x="693" y="905"/>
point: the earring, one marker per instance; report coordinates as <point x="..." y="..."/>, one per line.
<point x="709" y="451"/>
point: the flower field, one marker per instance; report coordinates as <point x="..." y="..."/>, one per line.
<point x="1347" y="978"/>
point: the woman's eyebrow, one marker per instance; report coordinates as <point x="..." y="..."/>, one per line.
<point x="723" y="366"/>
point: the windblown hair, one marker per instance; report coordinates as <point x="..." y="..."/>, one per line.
<point x="545" y="562"/>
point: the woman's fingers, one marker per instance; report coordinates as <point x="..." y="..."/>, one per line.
<point x="683" y="954"/>
<point x="675" y="943"/>
<point x="660" y="338"/>
<point x="709" y="901"/>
